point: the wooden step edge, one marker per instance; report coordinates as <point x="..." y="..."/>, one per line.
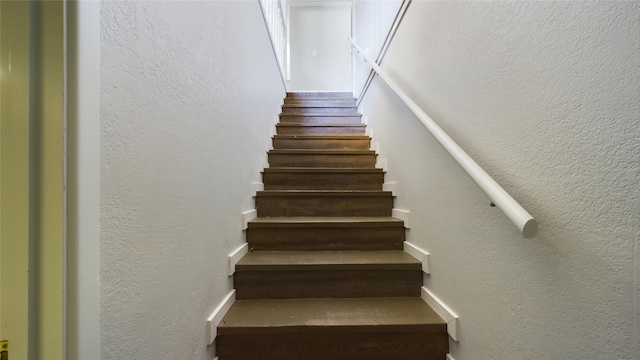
<point x="324" y="193"/>
<point x="321" y="137"/>
<point x="324" y="222"/>
<point x="363" y="315"/>
<point x="337" y="115"/>
<point x="319" y="170"/>
<point x="328" y="261"/>
<point x="320" y="125"/>
<point x="357" y="115"/>
<point x="321" y="152"/>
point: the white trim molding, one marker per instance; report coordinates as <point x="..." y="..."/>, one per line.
<point x="255" y="187"/>
<point x="235" y="256"/>
<point x="389" y="186"/>
<point x="216" y="316"/>
<point x="248" y="216"/>
<point x="444" y="311"/>
<point x="402" y="215"/>
<point x="421" y="255"/>
<point x="449" y="357"/>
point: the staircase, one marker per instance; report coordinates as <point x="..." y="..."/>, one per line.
<point x="326" y="277"/>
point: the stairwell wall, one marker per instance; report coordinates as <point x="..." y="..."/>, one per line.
<point x="189" y="97"/>
<point x="544" y="96"/>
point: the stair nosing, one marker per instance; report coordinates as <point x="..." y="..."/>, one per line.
<point x="324" y="222"/>
<point x="326" y="193"/>
<point x="403" y="314"/>
<point x="328" y="261"/>
<point x="322" y="152"/>
<point x="329" y="170"/>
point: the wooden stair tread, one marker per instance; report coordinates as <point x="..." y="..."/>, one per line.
<point x="330" y="315"/>
<point x="320" y="170"/>
<point x="322" y="137"/>
<point x="354" y="193"/>
<point x="328" y="260"/>
<point x="322" y="152"/>
<point x="321" y="103"/>
<point x="325" y="221"/>
<point x="294" y="125"/>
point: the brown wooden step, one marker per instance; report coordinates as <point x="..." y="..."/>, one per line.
<point x="322" y="158"/>
<point x="325" y="233"/>
<point x="344" y="120"/>
<point x="320" y="95"/>
<point x="350" y="103"/>
<point x="323" y="203"/>
<point x="322" y="179"/>
<point x="327" y="142"/>
<point x="306" y="110"/>
<point x="334" y="274"/>
<point x="341" y="329"/>
<point x="298" y="129"/>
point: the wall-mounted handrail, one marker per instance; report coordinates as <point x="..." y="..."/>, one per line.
<point x="527" y="225"/>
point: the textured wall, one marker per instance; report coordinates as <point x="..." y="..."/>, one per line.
<point x="546" y="97"/>
<point x="190" y="91"/>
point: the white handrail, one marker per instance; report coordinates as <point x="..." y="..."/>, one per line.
<point x="527" y="225"/>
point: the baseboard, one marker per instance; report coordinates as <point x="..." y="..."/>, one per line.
<point x="248" y="216"/>
<point x="449" y="357"/>
<point x="255" y="187"/>
<point x="382" y="164"/>
<point x="235" y="256"/>
<point x="389" y="186"/>
<point x="402" y="215"/>
<point x="218" y="314"/>
<point x="421" y="255"/>
<point x="444" y="311"/>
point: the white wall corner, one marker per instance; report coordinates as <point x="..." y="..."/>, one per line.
<point x="449" y="357"/>
<point x="389" y="186"/>
<point x="423" y="256"/>
<point x="402" y="215"/>
<point x="444" y="311"/>
<point x="255" y="187"/>
<point x="248" y="216"/>
<point x="235" y="256"/>
<point x="217" y="315"/>
<point x="382" y="164"/>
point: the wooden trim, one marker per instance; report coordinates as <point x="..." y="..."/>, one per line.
<point x="248" y="216"/>
<point x="444" y="311"/>
<point x="235" y="256"/>
<point x="216" y="316"/>
<point x="404" y="215"/>
<point x="423" y="256"/>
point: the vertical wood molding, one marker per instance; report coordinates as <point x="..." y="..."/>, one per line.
<point x="421" y="255"/>
<point x="217" y="315"/>
<point x="404" y="215"/>
<point x="248" y="216"/>
<point x="444" y="311"/>
<point x="235" y="256"/>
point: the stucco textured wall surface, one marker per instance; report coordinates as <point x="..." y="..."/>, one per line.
<point x="546" y="97"/>
<point x="189" y="94"/>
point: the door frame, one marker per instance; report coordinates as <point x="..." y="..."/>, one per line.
<point x="32" y="178"/>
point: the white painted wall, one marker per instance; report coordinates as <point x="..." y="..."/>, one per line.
<point x="320" y="50"/>
<point x="545" y="96"/>
<point x="189" y="97"/>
